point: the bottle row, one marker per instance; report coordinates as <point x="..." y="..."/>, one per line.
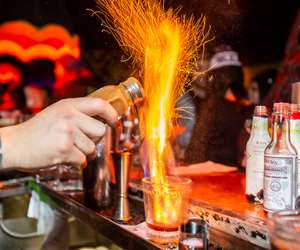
<point x="272" y="162"/>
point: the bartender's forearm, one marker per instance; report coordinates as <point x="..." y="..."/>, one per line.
<point x="63" y="133"/>
<point x="8" y="150"/>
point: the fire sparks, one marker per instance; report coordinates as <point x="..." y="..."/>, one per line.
<point x="165" y="46"/>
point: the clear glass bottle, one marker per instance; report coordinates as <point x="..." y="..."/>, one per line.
<point x="295" y="140"/>
<point x="256" y="145"/>
<point x="280" y="164"/>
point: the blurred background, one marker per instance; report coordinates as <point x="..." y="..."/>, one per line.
<point x="52" y="49"/>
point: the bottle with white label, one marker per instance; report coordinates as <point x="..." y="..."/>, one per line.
<point x="256" y="145"/>
<point x="280" y="164"/>
<point x="295" y="140"/>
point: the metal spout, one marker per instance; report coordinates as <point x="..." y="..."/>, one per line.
<point x="122" y="163"/>
<point x="135" y="92"/>
<point x="134" y="89"/>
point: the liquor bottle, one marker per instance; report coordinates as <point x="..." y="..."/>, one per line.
<point x="295" y="140"/>
<point x="280" y="164"/>
<point x="256" y="145"/>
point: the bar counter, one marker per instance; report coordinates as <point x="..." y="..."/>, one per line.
<point x="219" y="199"/>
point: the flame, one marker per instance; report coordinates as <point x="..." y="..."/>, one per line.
<point x="165" y="46"/>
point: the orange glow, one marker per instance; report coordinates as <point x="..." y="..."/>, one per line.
<point x="165" y="47"/>
<point x="48" y="32"/>
<point x="9" y="74"/>
<point x="26" y="42"/>
<point x="38" y="51"/>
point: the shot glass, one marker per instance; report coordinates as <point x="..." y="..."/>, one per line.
<point x="166" y="203"/>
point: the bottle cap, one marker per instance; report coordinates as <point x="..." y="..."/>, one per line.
<point x="281" y="107"/>
<point x="135" y="92"/>
<point x="261" y="111"/>
<point x="194" y="226"/>
<point x="134" y="89"/>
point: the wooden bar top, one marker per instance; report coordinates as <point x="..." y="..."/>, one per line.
<point x="219" y="199"/>
<point x="225" y="191"/>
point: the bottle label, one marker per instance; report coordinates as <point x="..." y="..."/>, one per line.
<point x="295" y="140"/>
<point x="279" y="185"/>
<point x="255" y="168"/>
<point x="255" y="156"/>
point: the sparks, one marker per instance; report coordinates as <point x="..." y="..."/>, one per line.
<point x="165" y="46"/>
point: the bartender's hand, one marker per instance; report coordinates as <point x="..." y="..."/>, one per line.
<point x="65" y="132"/>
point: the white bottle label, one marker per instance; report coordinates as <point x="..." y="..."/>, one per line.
<point x="255" y="156"/>
<point x="278" y="182"/>
<point x="295" y="140"/>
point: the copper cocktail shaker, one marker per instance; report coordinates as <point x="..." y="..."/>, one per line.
<point x="123" y="97"/>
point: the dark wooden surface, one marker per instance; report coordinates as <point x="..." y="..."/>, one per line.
<point x="226" y="192"/>
<point x="222" y="191"/>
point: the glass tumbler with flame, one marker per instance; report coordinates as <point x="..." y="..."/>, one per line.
<point x="166" y="203"/>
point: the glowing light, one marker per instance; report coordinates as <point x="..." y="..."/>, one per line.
<point x="27" y="42"/>
<point x="164" y="46"/>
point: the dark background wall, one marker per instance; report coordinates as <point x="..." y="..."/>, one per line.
<point x="258" y="29"/>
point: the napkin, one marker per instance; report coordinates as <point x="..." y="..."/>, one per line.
<point x="203" y="168"/>
<point x="42" y="212"/>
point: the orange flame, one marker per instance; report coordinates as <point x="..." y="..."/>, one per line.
<point x="165" y="46"/>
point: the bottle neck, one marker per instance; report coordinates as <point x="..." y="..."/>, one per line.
<point x="281" y="130"/>
<point x="259" y="125"/>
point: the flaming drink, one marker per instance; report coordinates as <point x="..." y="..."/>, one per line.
<point x="164" y="46"/>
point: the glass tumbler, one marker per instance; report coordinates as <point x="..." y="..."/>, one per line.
<point x="166" y="203"/>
